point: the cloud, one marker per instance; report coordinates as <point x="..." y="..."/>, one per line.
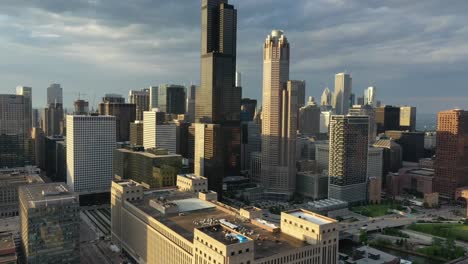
<point x="99" y="46"/>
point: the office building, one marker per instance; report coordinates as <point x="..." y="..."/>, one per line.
<point x="369" y="111"/>
<point x="352" y="100"/>
<point x="141" y="100"/>
<point x="451" y="166"/>
<point x="54" y="94"/>
<point x="411" y="180"/>
<point x="208" y="156"/>
<point x="158" y="134"/>
<point x="53" y="122"/>
<point x="136" y="133"/>
<point x="392" y="156"/>
<point x="50" y="223"/>
<point x="36" y="118"/>
<point x="157" y="167"/>
<point x="325" y="122"/>
<point x="10" y="181"/>
<point x="375" y="163"/>
<point x="16" y="148"/>
<point x="251" y="142"/>
<point x="301" y="94"/>
<point x="26" y="92"/>
<point x="342" y="94"/>
<point x="173" y="224"/>
<point x="51" y="162"/>
<point x="348" y="158"/>
<point x="408" y="118"/>
<point x="326" y="99"/>
<point x="360" y="100"/>
<point x="312" y="185"/>
<point x="81" y="107"/>
<point x="412" y="144"/>
<point x="279" y="118"/>
<point x="38" y="139"/>
<point x="387" y="118"/>
<point x="124" y="114"/>
<point x="370" y="96"/>
<point x="309" y="119"/>
<point x="248" y="108"/>
<point x="171" y="99"/>
<point x="190" y="108"/>
<point x="91" y="141"/>
<point x="113" y="98"/>
<point x="153" y="97"/>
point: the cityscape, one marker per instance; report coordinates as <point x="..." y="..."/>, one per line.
<point x="294" y="171"/>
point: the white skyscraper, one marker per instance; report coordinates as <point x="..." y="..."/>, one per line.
<point x="54" y="94"/>
<point x="326" y="98"/>
<point x="90" y="146"/>
<point x="369" y="96"/>
<point x="342" y="94"/>
<point x="149" y="129"/>
<point x="158" y="134"/>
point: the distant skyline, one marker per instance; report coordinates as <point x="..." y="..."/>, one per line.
<point x="414" y="53"/>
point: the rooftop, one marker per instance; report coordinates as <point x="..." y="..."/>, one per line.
<point x="43" y="194"/>
<point x="423" y="172"/>
<point x="311" y="217"/>
<point x="192" y="176"/>
<point x="204" y="215"/>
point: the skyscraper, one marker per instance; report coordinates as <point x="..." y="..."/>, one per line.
<point x="190" y="108"/>
<point x="124" y="115"/>
<point x="53" y="120"/>
<point x="54" y="94"/>
<point x="451" y="166"/>
<point x="171" y="99"/>
<point x="369" y="96"/>
<point x="26" y="92"/>
<point x="326" y="98"/>
<point x="366" y="110"/>
<point x="279" y="123"/>
<point x="408" y="118"/>
<point x="81" y="107"/>
<point x="301" y="93"/>
<point x="91" y="141"/>
<point x="50" y="223"/>
<point x="218" y="99"/>
<point x="387" y="118"/>
<point x="309" y="119"/>
<point x="348" y="158"/>
<point x="153" y="91"/>
<point x="248" y="108"/>
<point x="342" y="94"/>
<point x="142" y="101"/>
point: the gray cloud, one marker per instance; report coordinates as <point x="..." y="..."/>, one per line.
<point x="412" y="49"/>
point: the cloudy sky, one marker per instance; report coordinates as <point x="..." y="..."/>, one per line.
<point x="414" y="52"/>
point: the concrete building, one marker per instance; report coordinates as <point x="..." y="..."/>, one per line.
<point x="392" y="156"/>
<point x="15" y="140"/>
<point x="158" y="134"/>
<point x="325" y="122"/>
<point x="153" y="97"/>
<point x="192" y="183"/>
<point x="190" y="108"/>
<point x="251" y="142"/>
<point x="412" y="144"/>
<point x="53" y="122"/>
<point x="366" y="110"/>
<point x="26" y="92"/>
<point x="81" y="107"/>
<point x="136" y="133"/>
<point x="255" y="171"/>
<point x="10" y="181"/>
<point x="375" y="163"/>
<point x="348" y="158"/>
<point x="124" y="115"/>
<point x="413" y="181"/>
<point x="113" y="98"/>
<point x="387" y="118"/>
<point x="91" y="141"/>
<point x="329" y="207"/>
<point x="54" y="94"/>
<point x="451" y="166"/>
<point x="305" y="148"/>
<point x="171" y="99"/>
<point x="374" y="190"/>
<point x="326" y="98"/>
<point x="369" y="255"/>
<point x="322" y="155"/>
<point x="157" y="167"/>
<point x="312" y="185"/>
<point x="279" y="118"/>
<point x="183" y="228"/>
<point x="309" y="119"/>
<point x="408" y="118"/>
<point x="342" y="94"/>
<point x="50" y="223"/>
<point x="51" y="161"/>
<point x="141" y="100"/>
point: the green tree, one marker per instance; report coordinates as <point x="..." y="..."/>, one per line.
<point x="363" y="237"/>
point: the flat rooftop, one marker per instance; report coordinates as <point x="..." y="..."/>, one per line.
<point x="43" y="194"/>
<point x="6" y="241"/>
<point x="266" y="243"/>
<point x="311" y="217"/>
<point x="192" y="176"/>
<point x="422" y="172"/>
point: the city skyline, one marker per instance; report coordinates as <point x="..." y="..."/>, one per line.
<point x="168" y="53"/>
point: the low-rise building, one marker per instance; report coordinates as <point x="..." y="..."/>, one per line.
<point x="312" y="185"/>
<point x="168" y="226"/>
<point x="192" y="183"/>
<point x="329" y="207"/>
<point x="415" y="181"/>
<point x="7" y="249"/>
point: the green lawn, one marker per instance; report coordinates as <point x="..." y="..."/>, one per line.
<point x="456" y="231"/>
<point x="373" y="210"/>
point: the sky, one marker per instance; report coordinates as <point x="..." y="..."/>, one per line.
<point x="414" y="52"/>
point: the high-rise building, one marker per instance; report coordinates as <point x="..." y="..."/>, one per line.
<point x="326" y="98"/>
<point x="218" y="100"/>
<point x="141" y="99"/>
<point x="301" y="93"/>
<point x="369" y="96"/>
<point x="153" y="94"/>
<point x="136" y="133"/>
<point x="387" y="118"/>
<point x="53" y="122"/>
<point x="171" y="220"/>
<point x="190" y="108"/>
<point x="309" y="118"/>
<point x="38" y="138"/>
<point x="171" y="99"/>
<point x="81" y="107"/>
<point x="451" y="166"/>
<point x="366" y="110"/>
<point x="392" y="156"/>
<point x="360" y="100"/>
<point x="248" y="108"/>
<point x="411" y="142"/>
<point x="50" y="223"/>
<point x="36" y="118"/>
<point x="348" y="158"/>
<point x="352" y="100"/>
<point x="54" y="94"/>
<point x="15" y="140"/>
<point x="91" y="141"/>
<point x="342" y="94"/>
<point x="325" y="122"/>
<point x="124" y="115"/>
<point x="113" y="98"/>
<point x="51" y="157"/>
<point x="26" y="92"/>
<point x="408" y="118"/>
<point x="251" y="142"/>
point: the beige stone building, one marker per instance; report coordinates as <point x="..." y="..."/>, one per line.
<point x="168" y="226"/>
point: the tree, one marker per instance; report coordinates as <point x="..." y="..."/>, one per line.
<point x="363" y="237"/>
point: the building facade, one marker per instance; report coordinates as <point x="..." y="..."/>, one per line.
<point x="141" y="100"/>
<point x="408" y="118"/>
<point x="171" y="99"/>
<point x="309" y="119"/>
<point x="342" y="94"/>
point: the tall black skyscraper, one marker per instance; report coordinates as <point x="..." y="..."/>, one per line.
<point x="218" y="99"/>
